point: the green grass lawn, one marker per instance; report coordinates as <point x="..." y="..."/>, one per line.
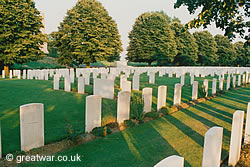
<point x="61" y="106"/>
<point x="181" y="133"/>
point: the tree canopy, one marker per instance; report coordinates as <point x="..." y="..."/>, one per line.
<point x="151" y="39"/>
<point x="230" y="15"/>
<point x="225" y="51"/>
<point x="20" y="35"/>
<point x="242" y="55"/>
<point x="207" y="47"/>
<point x="187" y="49"/>
<point x="87" y="34"/>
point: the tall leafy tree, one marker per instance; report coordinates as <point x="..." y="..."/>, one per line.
<point x="20" y="35"/>
<point x="242" y="55"/>
<point x="225" y="51"/>
<point x="187" y="49"/>
<point x="207" y="47"/>
<point x="229" y="15"/>
<point x="151" y="39"/>
<point x="87" y="34"/>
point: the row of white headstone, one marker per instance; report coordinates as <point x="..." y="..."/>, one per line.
<point x="105" y="88"/>
<point x="32" y="130"/>
<point x="111" y="73"/>
<point x="213" y="144"/>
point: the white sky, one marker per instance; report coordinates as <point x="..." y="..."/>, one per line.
<point x="124" y="12"/>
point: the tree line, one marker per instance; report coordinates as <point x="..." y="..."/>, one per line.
<point x="89" y="34"/>
<point x="156" y="37"/>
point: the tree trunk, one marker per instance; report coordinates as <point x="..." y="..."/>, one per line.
<point x="87" y="65"/>
<point x="6" y="69"/>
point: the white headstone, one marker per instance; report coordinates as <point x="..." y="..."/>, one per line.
<point x="191" y="79"/>
<point x="11" y="75"/>
<point x="228" y="82"/>
<point x="172" y="161"/>
<point x="122" y="78"/>
<point x="46" y="75"/>
<point x="195" y="90"/>
<point x="162" y="97"/>
<point x="221" y="84"/>
<point x="93" y="113"/>
<point x="212" y="147"/>
<point x="177" y="94"/>
<point x="126" y="86"/>
<point x="56" y="82"/>
<point x="236" y="137"/>
<point x="234" y="81"/>
<point x="247" y="76"/>
<point x="72" y="75"/>
<point x="214" y="86"/>
<point x="152" y="78"/>
<point x="205" y="84"/>
<point x="123" y="106"/>
<point x="244" y="78"/>
<point x="24" y="74"/>
<point x="81" y="85"/>
<point x="136" y="82"/>
<point x="104" y="88"/>
<point x="182" y="79"/>
<point x="87" y="79"/>
<point x="239" y="80"/>
<point x="32" y="126"/>
<point x="147" y="98"/>
<point x="247" y="128"/>
<point x="3" y="74"/>
<point x="67" y="84"/>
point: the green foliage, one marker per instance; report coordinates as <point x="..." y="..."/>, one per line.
<point x="129" y="123"/>
<point x="242" y="54"/>
<point x="187" y="49"/>
<point x="152" y="114"/>
<point x="112" y="125"/>
<point x="20" y="35"/>
<point x="101" y="131"/>
<point x="225" y="51"/>
<point x="165" y="110"/>
<point x="87" y="34"/>
<point x="201" y="91"/>
<point x="207" y="48"/>
<point x="137" y="107"/>
<point x="71" y="132"/>
<point x="230" y="16"/>
<point x="45" y="63"/>
<point x="151" y="39"/>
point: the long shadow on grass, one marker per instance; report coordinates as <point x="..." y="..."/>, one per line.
<point x="185" y="129"/>
<point x="237" y="100"/>
<point x="218" y="110"/>
<point x="213" y="113"/>
<point x="204" y="120"/>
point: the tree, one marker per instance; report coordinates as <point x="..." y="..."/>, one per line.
<point x="20" y="35"/>
<point x="225" y="51"/>
<point x="207" y="48"/>
<point x="87" y="34"/>
<point x="241" y="54"/>
<point x="151" y="39"/>
<point x="187" y="49"/>
<point x="230" y="15"/>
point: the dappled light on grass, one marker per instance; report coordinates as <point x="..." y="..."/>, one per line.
<point x="50" y="108"/>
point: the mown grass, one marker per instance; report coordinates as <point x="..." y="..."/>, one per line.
<point x="62" y="106"/>
<point x="181" y="133"/>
